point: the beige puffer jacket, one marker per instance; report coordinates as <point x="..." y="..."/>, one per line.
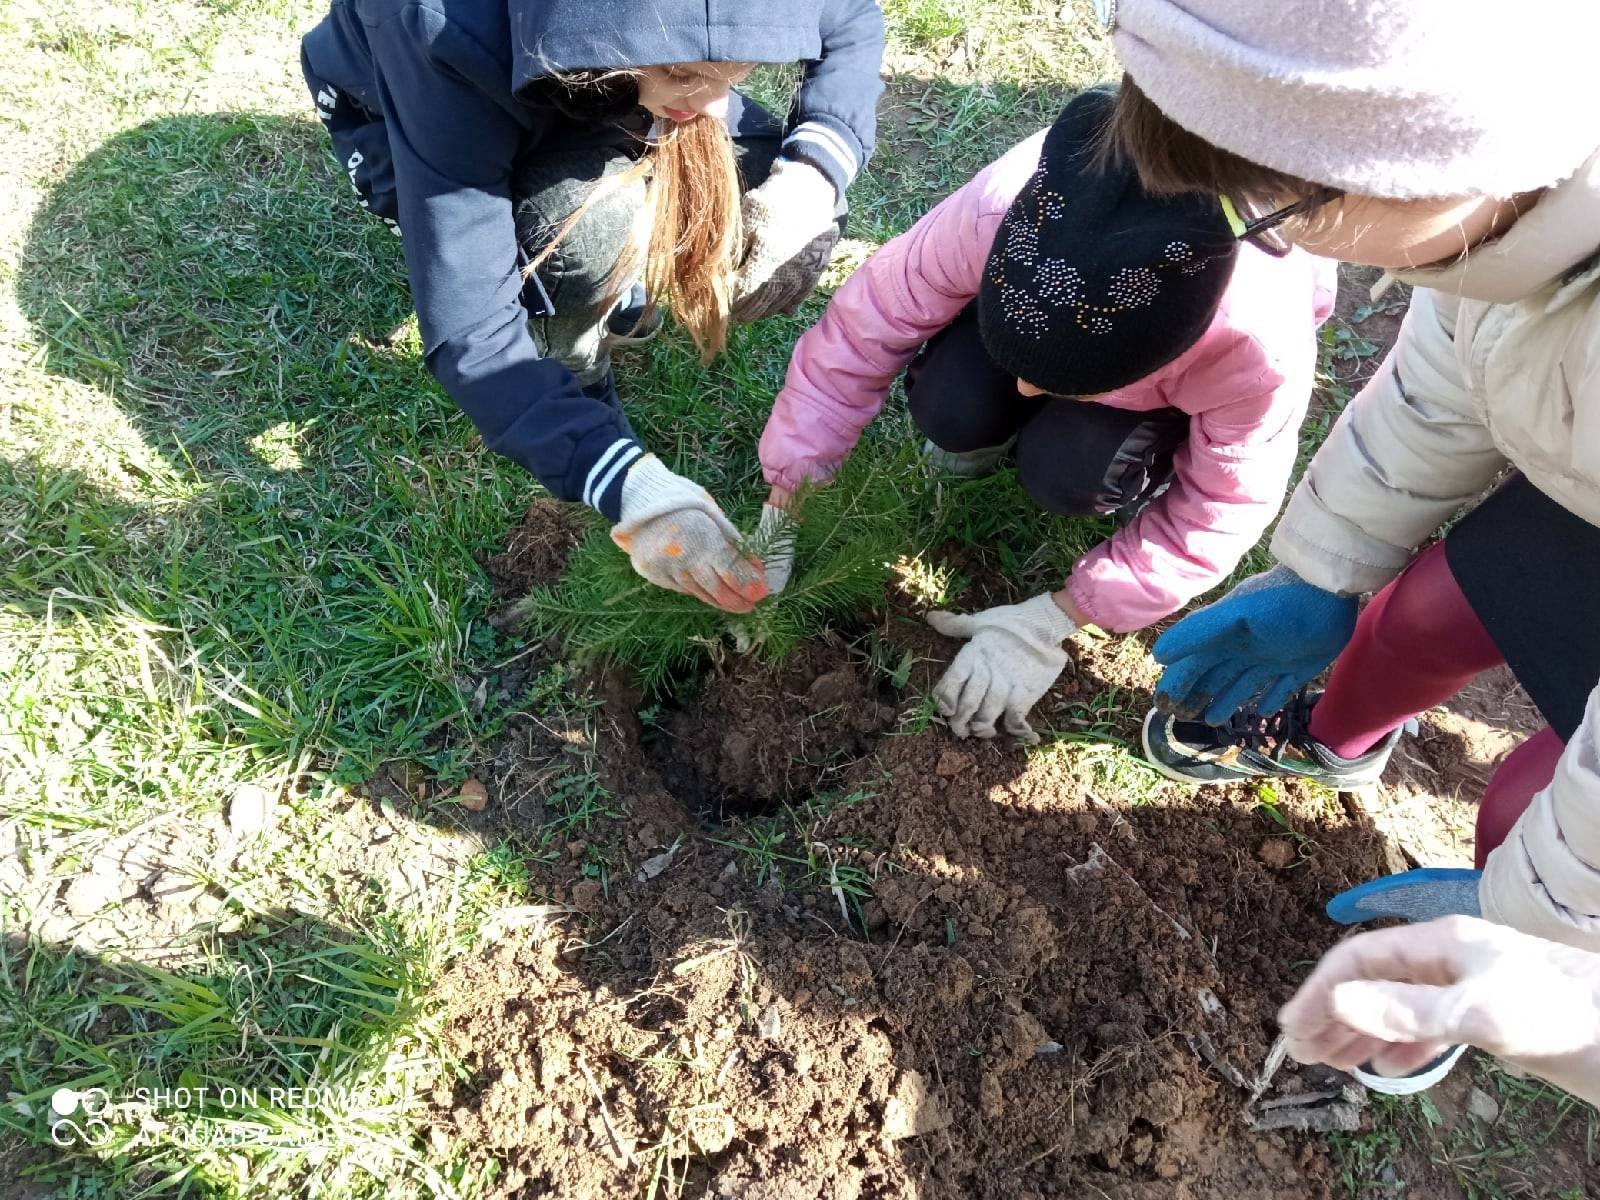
<point x="1498" y="361"/>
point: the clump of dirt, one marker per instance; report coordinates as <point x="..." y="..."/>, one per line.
<point x="1054" y="985"/>
<point x="756" y="737"/>
<point x="536" y="550"/>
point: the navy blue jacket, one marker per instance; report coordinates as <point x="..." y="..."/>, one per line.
<point x="456" y="84"/>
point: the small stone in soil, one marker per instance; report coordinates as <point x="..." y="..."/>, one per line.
<point x="1483" y="1106"/>
<point x="249" y="810"/>
<point x="13" y="877"/>
<point x="58" y="929"/>
<point x="473" y="797"/>
<point x="88" y="894"/>
<point x="910" y="1111"/>
<point x="1278" y="853"/>
<point x="834" y="688"/>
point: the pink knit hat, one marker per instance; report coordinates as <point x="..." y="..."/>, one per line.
<point x="1392" y="98"/>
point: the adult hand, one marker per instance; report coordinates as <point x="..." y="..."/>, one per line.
<point x="677" y="538"/>
<point x="790" y="231"/>
<point x="1266" y="639"/>
<point x="1013" y="656"/>
<point x="775" y="540"/>
<point x="1397" y="997"/>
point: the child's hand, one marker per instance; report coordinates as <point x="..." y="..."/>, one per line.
<point x="1396" y="997"/>
<point x="677" y="538"/>
<point x="790" y="233"/>
<point x="1013" y="657"/>
<point x="1267" y="638"/>
<point x="775" y="541"/>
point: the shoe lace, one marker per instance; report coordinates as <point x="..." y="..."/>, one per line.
<point x="1275" y="733"/>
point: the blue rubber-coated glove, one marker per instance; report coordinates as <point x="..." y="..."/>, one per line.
<point x="1416" y="896"/>
<point x="1264" y="640"/>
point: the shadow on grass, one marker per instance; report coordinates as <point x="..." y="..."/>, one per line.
<point x="201" y="271"/>
<point x="276" y="1058"/>
<point x="268" y="474"/>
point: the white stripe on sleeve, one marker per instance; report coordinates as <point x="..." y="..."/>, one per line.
<point x="828" y="141"/>
<point x="590" y="492"/>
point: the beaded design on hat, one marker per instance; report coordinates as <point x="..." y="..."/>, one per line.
<point x="1056" y="283"/>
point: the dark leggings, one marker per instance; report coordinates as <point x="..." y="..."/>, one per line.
<point x="1417" y="644"/>
<point x="1074" y="457"/>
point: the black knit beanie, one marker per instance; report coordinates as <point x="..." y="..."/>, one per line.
<point x="1093" y="283"/>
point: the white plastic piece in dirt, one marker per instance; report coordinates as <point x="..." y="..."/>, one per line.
<point x="769" y="1025"/>
<point x="1418" y="1081"/>
<point x="1331" y="1110"/>
<point x="524" y="916"/>
<point x="250" y="810"/>
<point x="1097" y="861"/>
<point x="657" y="863"/>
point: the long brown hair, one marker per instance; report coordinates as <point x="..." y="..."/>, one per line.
<point x="688" y="231"/>
<point x="1170" y="160"/>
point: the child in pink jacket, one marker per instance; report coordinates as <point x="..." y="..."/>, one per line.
<point x="1117" y="343"/>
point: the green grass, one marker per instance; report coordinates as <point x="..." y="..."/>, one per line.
<point x="239" y="533"/>
<point x="239" y="529"/>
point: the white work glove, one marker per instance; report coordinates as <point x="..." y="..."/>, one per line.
<point x="775" y="538"/>
<point x="789" y="234"/>
<point x="1397" y="997"/>
<point x="1013" y="657"/>
<point x="677" y="538"/>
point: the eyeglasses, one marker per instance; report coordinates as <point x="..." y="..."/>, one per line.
<point x="1263" y="232"/>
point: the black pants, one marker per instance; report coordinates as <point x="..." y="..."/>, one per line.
<point x="1074" y="457"/>
<point x="550" y="181"/>
<point x="1530" y="569"/>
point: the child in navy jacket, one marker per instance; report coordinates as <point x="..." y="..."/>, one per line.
<point x="489" y="133"/>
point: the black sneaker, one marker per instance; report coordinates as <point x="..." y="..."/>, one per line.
<point x="632" y="322"/>
<point x="1251" y="746"/>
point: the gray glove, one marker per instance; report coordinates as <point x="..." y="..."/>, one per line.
<point x="677" y="538"/>
<point x="1013" y="657"/>
<point x="790" y="231"/>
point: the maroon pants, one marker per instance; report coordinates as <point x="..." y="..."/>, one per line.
<point x="1417" y="644"/>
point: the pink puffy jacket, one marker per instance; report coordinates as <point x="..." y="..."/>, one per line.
<point x="1245" y="386"/>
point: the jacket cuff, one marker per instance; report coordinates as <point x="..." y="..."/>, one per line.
<point x="1304" y="542"/>
<point x="829" y="146"/>
<point x="1082" y="593"/>
<point x="608" y="457"/>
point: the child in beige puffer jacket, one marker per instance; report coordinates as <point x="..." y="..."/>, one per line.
<point x="1461" y="155"/>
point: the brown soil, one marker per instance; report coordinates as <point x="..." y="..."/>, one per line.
<point x="1049" y="991"/>
<point x="537" y="549"/>
<point x="758" y="737"/>
<point x="1379" y="322"/>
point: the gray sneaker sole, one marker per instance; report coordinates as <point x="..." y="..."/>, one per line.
<point x="1365" y="778"/>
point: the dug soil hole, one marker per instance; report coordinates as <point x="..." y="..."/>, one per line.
<point x="753" y="737"/>
<point x="1063" y="988"/>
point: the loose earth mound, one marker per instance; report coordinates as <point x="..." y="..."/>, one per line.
<point x="823" y="950"/>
